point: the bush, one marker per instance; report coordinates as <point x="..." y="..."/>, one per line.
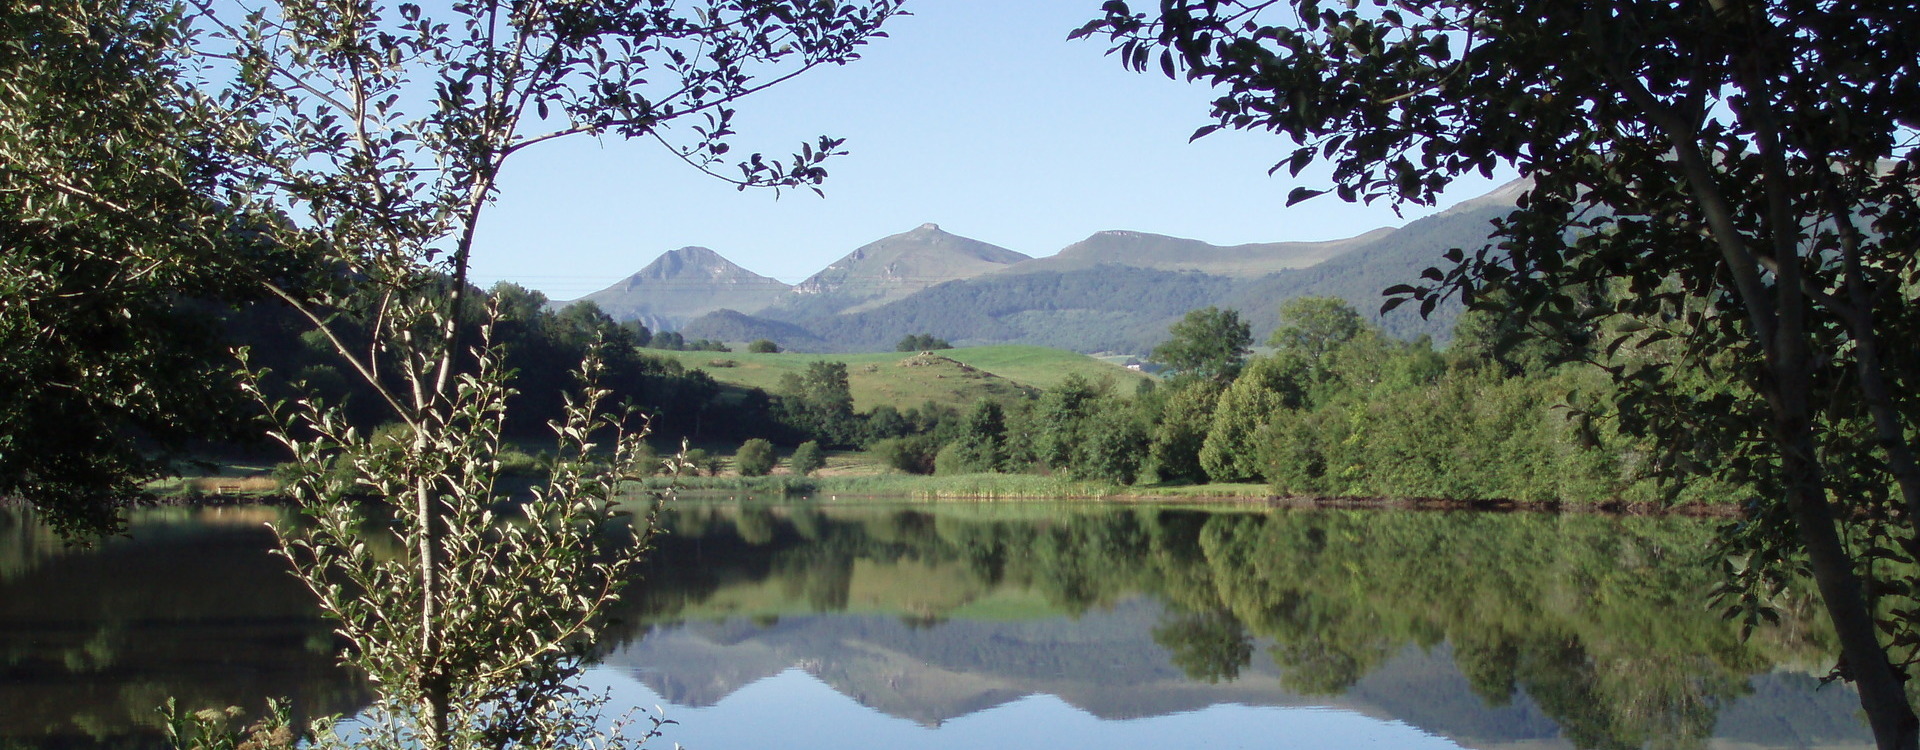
<point x="959" y="458"/>
<point x="755" y="458"/>
<point x="516" y="462"/>
<point x="914" y="455"/>
<point x="646" y="460"/>
<point x="807" y="459"/>
<point x="763" y="346"/>
<point x="700" y="460"/>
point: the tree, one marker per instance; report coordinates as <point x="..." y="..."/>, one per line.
<point x="1231" y="452"/>
<point x="763" y="346"/>
<point x="806" y="459"/>
<point x="755" y="458"/>
<point x="980" y="445"/>
<point x="696" y="460"/>
<point x="819" y="402"/>
<point x="380" y="129"/>
<point x="1742" y="170"/>
<point x="1060" y="420"/>
<point x="1115" y="444"/>
<point x="1313" y="327"/>
<point x="1180" y="429"/>
<point x="119" y="247"/>
<point x="1209" y="343"/>
<point x="921" y="342"/>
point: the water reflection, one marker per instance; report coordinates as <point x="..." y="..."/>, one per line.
<point x="189" y="607"/>
<point x="1486" y="630"/>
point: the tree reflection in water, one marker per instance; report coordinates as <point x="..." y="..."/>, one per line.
<point x="1599" y="621"/>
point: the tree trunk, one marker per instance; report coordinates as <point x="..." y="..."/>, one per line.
<point x="1882" y="694"/>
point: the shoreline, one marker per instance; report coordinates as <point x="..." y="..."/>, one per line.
<point x="1031" y="488"/>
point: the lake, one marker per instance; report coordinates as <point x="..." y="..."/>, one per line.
<point x="1010" y="625"/>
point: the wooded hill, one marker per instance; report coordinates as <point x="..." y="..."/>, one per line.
<point x="1116" y="291"/>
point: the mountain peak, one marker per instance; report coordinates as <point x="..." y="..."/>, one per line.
<point x="895" y="266"/>
<point x="683" y="284"/>
<point x="692" y="261"/>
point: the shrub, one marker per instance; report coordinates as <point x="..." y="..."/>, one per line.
<point x="914" y="455"/>
<point x="700" y="460"/>
<point x="755" y="458"/>
<point x="515" y="462"/>
<point x="959" y="458"/>
<point x="763" y="346"/>
<point x="807" y="459"/>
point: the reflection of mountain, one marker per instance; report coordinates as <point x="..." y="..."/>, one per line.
<point x="1106" y="664"/>
<point x="1496" y="631"/>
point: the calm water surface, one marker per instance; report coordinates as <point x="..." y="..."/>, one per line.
<point x="884" y="625"/>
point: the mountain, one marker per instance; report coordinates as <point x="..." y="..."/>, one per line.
<point x="1105" y="308"/>
<point x="684" y="284"/>
<point x="1120" y="307"/>
<point x="892" y="268"/>
<point x="1116" y="291"/>
<point x="1160" y="252"/>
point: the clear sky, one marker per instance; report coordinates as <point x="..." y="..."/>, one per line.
<point x="977" y="115"/>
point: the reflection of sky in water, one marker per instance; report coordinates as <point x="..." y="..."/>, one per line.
<point x="794" y="711"/>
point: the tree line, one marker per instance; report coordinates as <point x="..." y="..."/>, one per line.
<point x="1337" y="408"/>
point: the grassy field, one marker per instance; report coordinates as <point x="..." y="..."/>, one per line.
<point x="1041" y="367"/>
<point x="861" y="474"/>
<point x="905" y="379"/>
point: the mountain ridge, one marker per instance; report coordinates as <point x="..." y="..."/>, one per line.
<point x="1115" y="291"/>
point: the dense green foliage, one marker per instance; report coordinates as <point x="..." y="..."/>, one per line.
<point x="1338" y="409"/>
<point x="537" y="344"/>
<point x="118" y="253"/>
<point x="1734" y="176"/>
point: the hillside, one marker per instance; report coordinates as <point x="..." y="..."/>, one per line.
<point x="684" y="284"/>
<point x="1359" y="276"/>
<point x="1163" y="253"/>
<point x="955" y="377"/>
<point x="892" y="268"/>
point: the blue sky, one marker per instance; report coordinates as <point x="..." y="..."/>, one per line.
<point x="977" y="115"/>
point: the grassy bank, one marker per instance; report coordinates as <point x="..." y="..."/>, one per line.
<point x="961" y="487"/>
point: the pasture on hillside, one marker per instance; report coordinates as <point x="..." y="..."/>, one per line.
<point x="956" y="377"/>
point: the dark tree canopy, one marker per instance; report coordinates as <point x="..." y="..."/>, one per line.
<point x="1725" y="186"/>
<point x="921" y="342"/>
<point x="116" y="260"/>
